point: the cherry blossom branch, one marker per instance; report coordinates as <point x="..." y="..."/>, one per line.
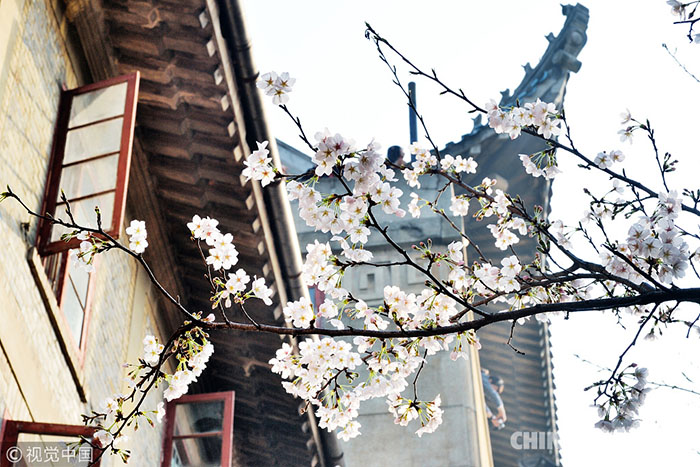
<point x="554" y="143"/>
<point x="510" y="338"/>
<point x="622" y="355"/>
<point x="662" y="168"/>
<point x="112" y="243"/>
<point x="691" y="295"/>
<point x="297" y="122"/>
<point x="654" y="383"/>
<point x="397" y="81"/>
<point x="441" y="288"/>
<point x="383" y="231"/>
<point x="611" y="173"/>
<point x="578" y="262"/>
<point x="247" y="315"/>
<point x="417" y="71"/>
<point x="415" y="380"/>
<point x="152" y="376"/>
<point x="680" y="64"/>
<point x="673" y="386"/>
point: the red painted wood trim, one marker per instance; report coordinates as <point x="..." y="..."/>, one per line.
<point x="91" y="195"/>
<point x="168" y="434"/>
<point x="90" y="159"/>
<point x="124" y="164"/>
<point x="227" y="448"/>
<point x="54" y="172"/>
<point x="96" y="122"/>
<point x="9" y="439"/>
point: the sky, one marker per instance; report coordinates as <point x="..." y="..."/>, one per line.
<point x="481" y="47"/>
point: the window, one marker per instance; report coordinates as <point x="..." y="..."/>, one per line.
<point x="199" y="430"/>
<point x="90" y="160"/>
<point x="31" y="443"/>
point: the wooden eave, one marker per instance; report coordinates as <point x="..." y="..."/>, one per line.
<point x="190" y="143"/>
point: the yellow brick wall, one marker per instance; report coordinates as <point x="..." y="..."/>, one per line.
<point x="35" y="379"/>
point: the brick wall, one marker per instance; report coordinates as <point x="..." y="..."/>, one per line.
<point x="37" y="56"/>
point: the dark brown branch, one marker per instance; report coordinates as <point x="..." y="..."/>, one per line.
<point x="622" y="355"/>
<point x="652" y="297"/>
<point x="417" y="71"/>
<point x="112" y="244"/>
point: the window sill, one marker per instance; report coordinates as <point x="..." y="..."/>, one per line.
<point x="58" y="322"/>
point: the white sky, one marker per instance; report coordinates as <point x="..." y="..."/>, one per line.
<point x="481" y="47"/>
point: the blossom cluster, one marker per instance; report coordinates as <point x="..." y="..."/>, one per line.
<point x="277" y="86"/>
<point x="223" y="253"/>
<point x="189" y="370"/>
<point x="258" y="165"/>
<point x="152" y="350"/>
<point x="533" y="165"/>
<point x="539" y="115"/>
<point x="370" y="178"/>
<point x="137" y="236"/>
<point x="328" y="365"/>
<point x="89" y="247"/>
<point x="626" y="396"/>
<point x="654" y="247"/>
<point x="424" y="161"/>
<point x="405" y="410"/>
<point x="193" y="353"/>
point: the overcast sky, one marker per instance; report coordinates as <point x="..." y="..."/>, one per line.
<point x="481" y="47"/>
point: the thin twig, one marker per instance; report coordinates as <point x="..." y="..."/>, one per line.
<point x="510" y="338"/>
<point x="680" y="64"/>
<point x="415" y="380"/>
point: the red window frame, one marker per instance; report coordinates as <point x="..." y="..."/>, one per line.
<point x="44" y="244"/>
<point x="12" y="428"/>
<point x="226" y="431"/>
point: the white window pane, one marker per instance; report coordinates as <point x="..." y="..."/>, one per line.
<point x="199" y="417"/>
<point x="84" y="214"/>
<point x="93" y="140"/>
<point x="80" y="279"/>
<point x="73" y="311"/>
<point x="97" y="105"/>
<point x="89" y="177"/>
<point x="199" y="452"/>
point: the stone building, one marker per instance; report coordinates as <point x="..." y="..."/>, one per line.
<point x="528" y="395"/>
<point x="63" y="334"/>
